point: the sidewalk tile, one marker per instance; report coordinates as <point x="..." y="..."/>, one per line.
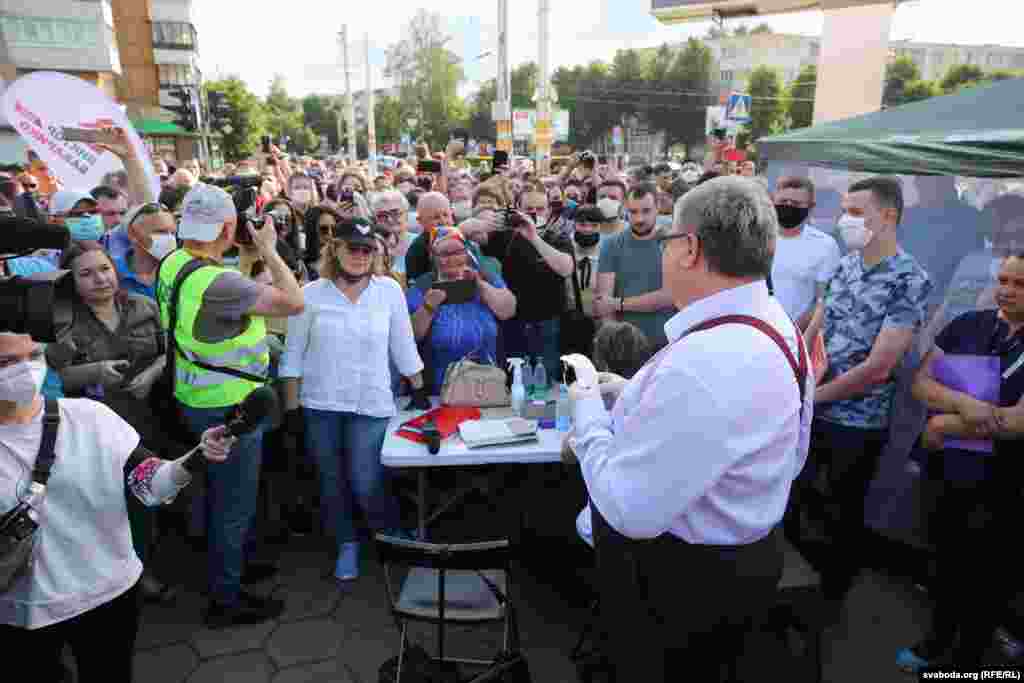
<point x="331" y="671"/>
<point x="305" y="641"/>
<point x="170" y="664"/>
<point x="313" y="599"/>
<point x="251" y="667"/>
<point x="213" y="643"/>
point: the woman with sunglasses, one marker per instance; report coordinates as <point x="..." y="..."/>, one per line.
<point x="337" y="371"/>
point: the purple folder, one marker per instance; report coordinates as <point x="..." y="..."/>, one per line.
<point x="977" y="376"/>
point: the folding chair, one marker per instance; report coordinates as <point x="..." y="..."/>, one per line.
<point x="465" y="583"/>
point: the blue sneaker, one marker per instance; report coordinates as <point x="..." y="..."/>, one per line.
<point x="910" y="662"/>
<point x="347" y="568"/>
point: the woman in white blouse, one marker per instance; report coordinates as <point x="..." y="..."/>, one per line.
<point x="336" y="367"/>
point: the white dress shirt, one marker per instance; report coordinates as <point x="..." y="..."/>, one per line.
<point x="708" y="446"/>
<point x="341" y="349"/>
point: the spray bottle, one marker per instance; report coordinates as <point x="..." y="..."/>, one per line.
<point x="518" y="389"/>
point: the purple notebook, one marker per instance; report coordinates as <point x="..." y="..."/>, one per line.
<point x="978" y="376"/>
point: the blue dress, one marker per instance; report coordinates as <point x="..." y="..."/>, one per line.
<point x="457" y="329"/>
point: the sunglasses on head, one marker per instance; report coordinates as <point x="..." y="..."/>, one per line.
<point x="148" y="210"/>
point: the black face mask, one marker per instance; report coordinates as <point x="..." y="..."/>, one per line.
<point x="587" y="239"/>
<point x="791" y="216"/>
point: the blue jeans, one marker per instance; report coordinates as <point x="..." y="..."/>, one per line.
<point x="231" y="492"/>
<point x="541" y="338"/>
<point x="347" y="448"/>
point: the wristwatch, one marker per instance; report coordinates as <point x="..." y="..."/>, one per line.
<point x="430" y="309"/>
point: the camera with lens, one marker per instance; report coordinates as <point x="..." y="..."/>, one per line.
<point x="587" y="159"/>
<point x="40" y="305"/>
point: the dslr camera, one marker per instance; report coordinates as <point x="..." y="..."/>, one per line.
<point x="37" y="306"/>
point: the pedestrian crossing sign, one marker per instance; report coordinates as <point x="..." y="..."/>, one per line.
<point x="738" y="108"/>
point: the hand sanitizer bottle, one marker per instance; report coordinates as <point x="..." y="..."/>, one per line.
<point x="540" y="381"/>
<point x="563" y="421"/>
<point x="518" y="389"/>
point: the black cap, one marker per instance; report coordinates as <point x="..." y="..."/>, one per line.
<point x="356" y="231"/>
<point x="588" y="213"/>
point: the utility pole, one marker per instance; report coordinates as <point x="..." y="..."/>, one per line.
<point x="501" y="110"/>
<point x="543" y="135"/>
<point x="350" y="107"/>
<point x="371" y="124"/>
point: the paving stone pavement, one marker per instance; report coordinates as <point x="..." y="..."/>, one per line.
<point x="342" y="633"/>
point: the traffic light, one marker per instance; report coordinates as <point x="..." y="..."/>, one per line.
<point x="186" y="111"/>
<point x="218" y="108"/>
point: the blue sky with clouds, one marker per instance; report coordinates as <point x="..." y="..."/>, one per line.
<point x="298" y="38"/>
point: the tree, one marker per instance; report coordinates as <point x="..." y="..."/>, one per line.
<point x="961" y="75"/>
<point x="898" y="73"/>
<point x="659" y="67"/>
<point x="919" y="90"/>
<point x="285" y="119"/>
<point x="761" y="28"/>
<point x="627" y="67"/>
<point x="740" y="30"/>
<point x="321" y="114"/>
<point x="246" y="118"/>
<point x="428" y="76"/>
<point x="766" y="111"/>
<point x="387" y="119"/>
<point x="523" y="82"/>
<point x="688" y="91"/>
<point x="800" y="99"/>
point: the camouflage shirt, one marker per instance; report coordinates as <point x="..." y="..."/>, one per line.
<point x="858" y="304"/>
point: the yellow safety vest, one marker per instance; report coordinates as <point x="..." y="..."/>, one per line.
<point x="248" y="352"/>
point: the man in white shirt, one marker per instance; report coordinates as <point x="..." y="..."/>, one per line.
<point x="805" y="258"/>
<point x="690" y="473"/>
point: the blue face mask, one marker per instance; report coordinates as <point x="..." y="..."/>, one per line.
<point x="571" y="204"/>
<point x="85" y="227"/>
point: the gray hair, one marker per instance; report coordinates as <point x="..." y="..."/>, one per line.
<point x="389" y="195"/>
<point x="736" y="223"/>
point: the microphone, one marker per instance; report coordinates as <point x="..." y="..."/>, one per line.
<point x="19" y="235"/>
<point x="244" y="418"/>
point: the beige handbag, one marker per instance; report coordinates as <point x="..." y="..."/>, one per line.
<point x="471" y="384"/>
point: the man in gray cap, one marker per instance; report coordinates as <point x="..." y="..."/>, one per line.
<point x="734" y="386"/>
<point x="221" y="356"/>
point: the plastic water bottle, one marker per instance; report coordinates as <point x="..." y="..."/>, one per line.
<point x="528" y="381"/>
<point x="540" y="380"/>
<point x="563" y="419"/>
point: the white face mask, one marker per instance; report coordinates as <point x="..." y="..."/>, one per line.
<point x="609" y="207"/>
<point x="854" y="231"/>
<point x="19" y="383"/>
<point x="163" y="244"/>
<point x="462" y="210"/>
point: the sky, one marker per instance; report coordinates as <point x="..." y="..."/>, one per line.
<point x="299" y="38"/>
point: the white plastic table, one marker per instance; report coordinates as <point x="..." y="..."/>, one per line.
<point x="399" y="452"/>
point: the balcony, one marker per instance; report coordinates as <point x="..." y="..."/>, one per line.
<point x="80" y="41"/>
<point x="175" y="35"/>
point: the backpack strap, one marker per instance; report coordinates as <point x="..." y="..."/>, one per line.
<point x="46" y="456"/>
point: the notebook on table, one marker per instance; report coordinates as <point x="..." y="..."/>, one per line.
<point x="513" y="430"/>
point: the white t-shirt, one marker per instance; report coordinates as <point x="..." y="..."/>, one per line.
<point x="801" y="263"/>
<point x="83" y="556"/>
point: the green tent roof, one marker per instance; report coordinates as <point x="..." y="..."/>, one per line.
<point x="158" y="127"/>
<point x="977" y="132"/>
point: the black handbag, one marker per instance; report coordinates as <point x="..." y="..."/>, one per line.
<point x="576" y="330"/>
<point x="19" y="526"/>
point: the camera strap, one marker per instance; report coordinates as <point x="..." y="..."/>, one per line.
<point x="46" y="456"/>
<point x="172" y="314"/>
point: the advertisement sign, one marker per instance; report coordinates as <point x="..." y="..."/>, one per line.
<point x="524" y="122"/>
<point x="738" y="109"/>
<point x="617" y="136"/>
<point x="38" y="106"/>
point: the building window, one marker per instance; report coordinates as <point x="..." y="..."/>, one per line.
<point x="175" y="74"/>
<point x="726" y="75"/>
<point x="46" y="32"/>
<point x="176" y="35"/>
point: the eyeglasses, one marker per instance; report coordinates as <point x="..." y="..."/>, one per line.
<point x="389" y="216"/>
<point x="36" y="354"/>
<point x="663" y="240"/>
<point x="147" y="210"/>
<point x="451" y="254"/>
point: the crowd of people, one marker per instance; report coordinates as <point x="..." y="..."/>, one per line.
<point x="334" y="289"/>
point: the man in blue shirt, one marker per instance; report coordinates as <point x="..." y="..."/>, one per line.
<point x="874" y="305"/>
<point x="150" y="229"/>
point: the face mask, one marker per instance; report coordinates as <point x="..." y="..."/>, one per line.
<point x="571" y="204"/>
<point x="997" y="264"/>
<point x="587" y="240"/>
<point x="609" y="208"/>
<point x="413" y="218"/>
<point x="663" y="222"/>
<point x="462" y="210"/>
<point x="85" y="227"/>
<point x="854" y="231"/>
<point x="791" y="216"/>
<point x="20" y="382"/>
<point x="302" y="196"/>
<point x="163" y="244"/>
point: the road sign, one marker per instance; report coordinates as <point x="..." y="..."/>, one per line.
<point x="617" y="136"/>
<point x="738" y="109"/>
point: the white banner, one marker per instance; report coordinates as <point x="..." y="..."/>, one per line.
<point x="40" y="104"/>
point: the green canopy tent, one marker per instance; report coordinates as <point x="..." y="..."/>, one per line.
<point x="977" y="132"/>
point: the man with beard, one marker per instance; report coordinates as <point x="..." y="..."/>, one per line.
<point x="629" y="284"/>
